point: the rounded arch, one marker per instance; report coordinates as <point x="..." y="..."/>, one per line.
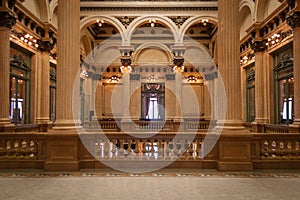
<point x="106" y="53"/>
<point x="246" y="16"/>
<point x="44" y="10"/>
<point x="156" y="45"/>
<point x="85" y="22"/>
<point x="263" y="8"/>
<point x="250" y="5"/>
<point x="197" y="53"/>
<point x="191" y="21"/>
<point x="52" y="6"/>
<point x="260" y="10"/>
<point x="86" y="43"/>
<point x="138" y="21"/>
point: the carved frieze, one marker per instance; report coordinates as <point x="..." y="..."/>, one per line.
<point x="258" y="46"/>
<point x="294" y="20"/>
<point x="7" y="19"/>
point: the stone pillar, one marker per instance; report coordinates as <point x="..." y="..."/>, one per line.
<point x="261" y="82"/>
<point x="178" y="69"/>
<point x="229" y="62"/>
<point x="178" y="95"/>
<point x="126" y="52"/>
<point x="68" y="63"/>
<point x="7" y="20"/>
<point x="63" y="141"/>
<point x="294" y="22"/>
<point x="43" y="83"/>
<point x="234" y="143"/>
<point x="260" y="86"/>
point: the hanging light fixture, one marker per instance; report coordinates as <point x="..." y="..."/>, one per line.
<point x="152" y="22"/>
<point x="100" y="22"/>
<point x="114" y="79"/>
<point x="28" y="39"/>
<point x="192" y="78"/>
<point x="204" y="21"/>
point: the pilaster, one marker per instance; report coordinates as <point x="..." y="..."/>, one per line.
<point x="294" y="21"/>
<point x="7" y="20"/>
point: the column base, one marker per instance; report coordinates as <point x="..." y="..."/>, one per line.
<point x="6" y="125"/>
<point x="67" y="125"/>
<point x="44" y="123"/>
<point x="62" y="150"/>
<point x="295" y="127"/>
<point x="228" y="126"/>
<point x="258" y="127"/>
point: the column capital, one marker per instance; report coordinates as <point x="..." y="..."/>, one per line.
<point x="126" y="61"/>
<point x="178" y="61"/>
<point x="258" y="46"/>
<point x="7" y="19"/>
<point x="45" y="45"/>
<point x="294" y="20"/>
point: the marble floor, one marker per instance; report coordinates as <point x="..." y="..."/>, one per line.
<point x="163" y="184"/>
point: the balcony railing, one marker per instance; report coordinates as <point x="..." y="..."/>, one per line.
<point x="22" y="147"/>
<point x="148" y="126"/>
<point x="276" y="147"/>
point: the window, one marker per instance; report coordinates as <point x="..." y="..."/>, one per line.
<point x="284" y="91"/>
<point x="250" y="94"/>
<point x="153" y="101"/>
<point x="52" y="92"/>
<point x="19" y="90"/>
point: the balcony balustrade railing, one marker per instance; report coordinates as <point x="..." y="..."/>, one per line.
<point x="22" y="146"/>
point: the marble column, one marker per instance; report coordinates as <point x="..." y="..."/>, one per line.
<point x="43" y="84"/>
<point x="229" y="62"/>
<point x="178" y="93"/>
<point x="294" y="22"/>
<point x="68" y="64"/>
<point x="178" y="61"/>
<point x="7" y="20"/>
<point x="126" y="70"/>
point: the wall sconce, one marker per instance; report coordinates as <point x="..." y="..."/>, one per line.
<point x="125" y="69"/>
<point x="114" y="79"/>
<point x="152" y="22"/>
<point x="100" y="22"/>
<point x="247" y="58"/>
<point x="178" y="68"/>
<point x="152" y="78"/>
<point x="84" y="73"/>
<point x="29" y="39"/>
<point x="204" y="21"/>
<point x="192" y="79"/>
<point x="274" y="39"/>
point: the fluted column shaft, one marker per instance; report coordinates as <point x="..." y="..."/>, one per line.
<point x="43" y="90"/>
<point x="68" y="61"/>
<point x="228" y="55"/>
<point x="126" y="95"/>
<point x="178" y="93"/>
<point x="260" y="88"/>
<point x="7" y="20"/>
<point x="296" y="46"/>
<point x="4" y="75"/>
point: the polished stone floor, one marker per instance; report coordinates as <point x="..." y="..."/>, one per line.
<point x="165" y="184"/>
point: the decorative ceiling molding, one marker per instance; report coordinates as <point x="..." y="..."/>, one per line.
<point x="179" y="20"/>
<point x="99" y="9"/>
<point x="126" y="20"/>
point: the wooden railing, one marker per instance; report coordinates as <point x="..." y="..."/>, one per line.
<point x="22" y="146"/>
<point x="276" y="147"/>
<point x="148" y="126"/>
<point x="276" y="128"/>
